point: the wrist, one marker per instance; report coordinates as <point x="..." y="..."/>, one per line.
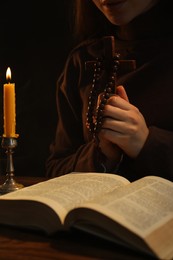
<point x="112" y="165"/>
<point x="105" y="164"/>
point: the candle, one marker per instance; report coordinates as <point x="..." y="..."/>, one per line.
<point x="9" y="107"/>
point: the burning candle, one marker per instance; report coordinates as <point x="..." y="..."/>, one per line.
<point x="9" y="107"/>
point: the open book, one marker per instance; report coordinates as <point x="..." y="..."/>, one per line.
<point x="138" y="214"/>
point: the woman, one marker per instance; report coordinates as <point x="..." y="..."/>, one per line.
<point x="114" y="98"/>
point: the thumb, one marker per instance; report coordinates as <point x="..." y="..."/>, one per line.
<point x="120" y="91"/>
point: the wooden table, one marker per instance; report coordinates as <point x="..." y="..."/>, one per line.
<point x="20" y="244"/>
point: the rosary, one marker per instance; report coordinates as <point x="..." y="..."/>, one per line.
<point x="95" y="115"/>
<point x="109" y="66"/>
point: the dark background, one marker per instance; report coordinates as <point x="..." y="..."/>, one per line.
<point x="35" y="39"/>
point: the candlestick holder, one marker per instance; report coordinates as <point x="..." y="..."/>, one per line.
<point x="9" y="143"/>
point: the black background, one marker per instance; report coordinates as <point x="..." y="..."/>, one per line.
<point x="35" y="39"/>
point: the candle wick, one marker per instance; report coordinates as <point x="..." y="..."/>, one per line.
<point x="8" y="80"/>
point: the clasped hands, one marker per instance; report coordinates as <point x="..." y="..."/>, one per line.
<point x="124" y="129"/>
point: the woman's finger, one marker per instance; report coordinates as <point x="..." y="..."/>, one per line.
<point x="120" y="91"/>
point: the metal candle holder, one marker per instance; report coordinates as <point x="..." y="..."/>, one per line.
<point x="9" y="143"/>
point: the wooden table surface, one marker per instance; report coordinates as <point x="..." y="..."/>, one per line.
<point x="24" y="244"/>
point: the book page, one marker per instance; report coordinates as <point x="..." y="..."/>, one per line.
<point x="163" y="245"/>
<point x="142" y="206"/>
<point x="67" y="192"/>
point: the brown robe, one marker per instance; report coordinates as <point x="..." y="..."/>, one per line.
<point x="148" y="40"/>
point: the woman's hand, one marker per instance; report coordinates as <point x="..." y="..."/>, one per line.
<point x="123" y="126"/>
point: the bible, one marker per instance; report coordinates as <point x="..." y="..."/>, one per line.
<point x="137" y="214"/>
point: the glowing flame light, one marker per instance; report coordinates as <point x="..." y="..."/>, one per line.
<point x="8" y="74"/>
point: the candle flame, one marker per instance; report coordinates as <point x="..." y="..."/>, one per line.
<point x="8" y="74"/>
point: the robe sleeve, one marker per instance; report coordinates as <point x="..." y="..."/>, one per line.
<point x="70" y="151"/>
<point x="156" y="157"/>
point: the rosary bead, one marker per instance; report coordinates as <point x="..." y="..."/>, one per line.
<point x="107" y="95"/>
<point x="104" y="100"/>
<point x="101" y="106"/>
<point x="109" y="90"/>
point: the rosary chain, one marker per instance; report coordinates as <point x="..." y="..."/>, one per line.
<point x="95" y="116"/>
